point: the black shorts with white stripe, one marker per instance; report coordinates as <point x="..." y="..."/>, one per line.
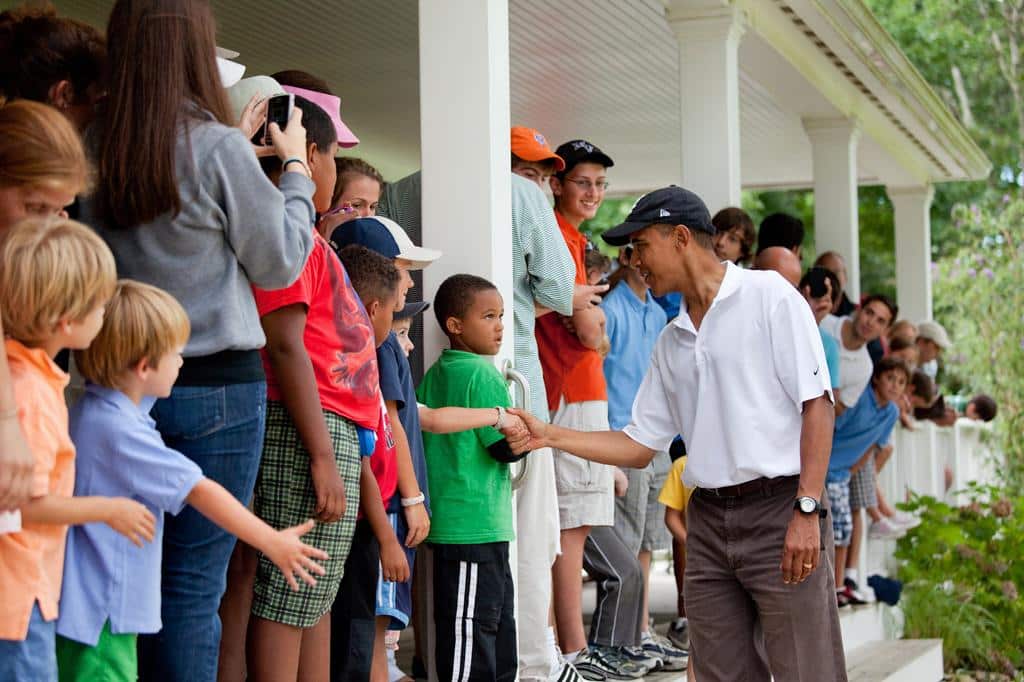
<point x="473" y="613"/>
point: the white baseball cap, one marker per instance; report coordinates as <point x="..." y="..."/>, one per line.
<point x="417" y="255"/>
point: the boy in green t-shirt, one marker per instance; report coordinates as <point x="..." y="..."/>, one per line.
<point x="470" y="491"/>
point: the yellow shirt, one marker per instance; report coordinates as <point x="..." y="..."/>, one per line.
<point x="675" y="493"/>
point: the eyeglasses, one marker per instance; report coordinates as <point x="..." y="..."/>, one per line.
<point x="587" y="185"/>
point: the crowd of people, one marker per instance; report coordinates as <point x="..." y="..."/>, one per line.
<point x="231" y="303"/>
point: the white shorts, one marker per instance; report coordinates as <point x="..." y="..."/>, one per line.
<point x="585" y="488"/>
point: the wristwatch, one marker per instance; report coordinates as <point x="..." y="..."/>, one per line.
<point x="809" y="505"/>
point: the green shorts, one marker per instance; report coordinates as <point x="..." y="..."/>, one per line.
<point x="113" y="659"/>
<point x="285" y="497"/>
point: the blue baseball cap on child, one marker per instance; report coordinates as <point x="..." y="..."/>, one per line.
<point x="368" y="232"/>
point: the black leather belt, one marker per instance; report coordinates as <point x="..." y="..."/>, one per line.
<point x="758" y="486"/>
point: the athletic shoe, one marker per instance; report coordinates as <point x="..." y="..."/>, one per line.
<point x="855" y="592"/>
<point x="904" y="520"/>
<point x="852" y="598"/>
<point x="884" y="529"/>
<point x="679" y="634"/>
<point x="606" y="663"/>
<point x="672" y="659"/>
<point x="642" y="658"/>
<point x="562" y="670"/>
<point x="841" y="599"/>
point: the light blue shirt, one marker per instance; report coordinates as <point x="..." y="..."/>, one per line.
<point x="106" y="577"/>
<point x="633" y="327"/>
<point x="831" y="347"/>
<point x="860" y="427"/>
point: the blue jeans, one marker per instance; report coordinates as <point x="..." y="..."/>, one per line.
<point x="220" y="428"/>
<point x="33" y="659"/>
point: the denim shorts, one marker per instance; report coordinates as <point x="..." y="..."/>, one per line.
<point x="33" y="659"/>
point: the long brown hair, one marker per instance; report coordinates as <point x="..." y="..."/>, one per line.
<point x="161" y="62"/>
<point x="39" y="146"/>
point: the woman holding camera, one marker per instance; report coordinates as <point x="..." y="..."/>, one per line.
<point x="183" y="204"/>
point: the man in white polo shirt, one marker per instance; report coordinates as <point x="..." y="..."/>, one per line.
<point x="758" y="429"/>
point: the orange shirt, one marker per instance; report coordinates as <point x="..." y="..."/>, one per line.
<point x="32" y="560"/>
<point x="571" y="370"/>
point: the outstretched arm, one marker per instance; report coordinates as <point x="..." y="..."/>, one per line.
<point x="605" y="447"/>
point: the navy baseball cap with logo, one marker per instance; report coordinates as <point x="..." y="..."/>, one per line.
<point x="670" y="205"/>
<point x="575" y="152"/>
<point x="368" y="232"/>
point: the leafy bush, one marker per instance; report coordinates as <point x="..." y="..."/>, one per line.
<point x="979" y="298"/>
<point x="963" y="572"/>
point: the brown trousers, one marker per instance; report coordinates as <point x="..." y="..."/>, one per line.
<point x="746" y="625"/>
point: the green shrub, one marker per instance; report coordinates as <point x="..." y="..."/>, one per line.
<point x="963" y="572"/>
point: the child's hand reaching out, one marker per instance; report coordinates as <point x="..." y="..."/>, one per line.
<point x="291" y="555"/>
<point x="131" y="519"/>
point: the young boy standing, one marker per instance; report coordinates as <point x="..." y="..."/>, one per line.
<point x="471" y="491"/>
<point x="111" y="588"/>
<point x="859" y="431"/>
<point x="56" y="276"/>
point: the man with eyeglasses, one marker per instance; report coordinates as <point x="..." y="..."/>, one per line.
<point x="577" y="396"/>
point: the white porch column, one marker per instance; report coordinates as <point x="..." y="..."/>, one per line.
<point x="709" y="32"/>
<point x="464" y="138"/>
<point x="912" y="218"/>
<point x="834" y="157"/>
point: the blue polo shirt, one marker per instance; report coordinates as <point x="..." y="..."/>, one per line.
<point x="106" y="577"/>
<point x="865" y="424"/>
<point x="396" y="384"/>
<point x="633" y="327"/>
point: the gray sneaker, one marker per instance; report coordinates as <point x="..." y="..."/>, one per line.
<point x="679" y="634"/>
<point x="672" y="659"/>
<point x="606" y="663"/>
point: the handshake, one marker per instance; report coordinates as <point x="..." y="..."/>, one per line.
<point x="522" y="431"/>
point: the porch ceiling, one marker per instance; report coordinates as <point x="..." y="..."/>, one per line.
<point x="603" y="70"/>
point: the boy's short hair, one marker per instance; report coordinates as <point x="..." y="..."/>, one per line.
<point x="373" y="276"/>
<point x="984" y="406"/>
<point x="319" y="130"/>
<point x="890" y="364"/>
<point x="141" y="322"/>
<point x="815" y="278"/>
<point x="595" y="260"/>
<point x="51" y="269"/>
<point x="923" y="385"/>
<point x="780" y="229"/>
<point x="455" y="297"/>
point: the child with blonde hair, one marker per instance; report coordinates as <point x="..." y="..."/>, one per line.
<point x="56" y="276"/>
<point x="112" y="590"/>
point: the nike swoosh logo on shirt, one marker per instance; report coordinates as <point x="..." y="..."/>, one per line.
<point x="816" y="370"/>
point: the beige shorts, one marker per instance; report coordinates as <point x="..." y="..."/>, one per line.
<point x="585" y="488"/>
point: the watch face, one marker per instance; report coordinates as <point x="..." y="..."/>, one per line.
<point x="807" y="505"/>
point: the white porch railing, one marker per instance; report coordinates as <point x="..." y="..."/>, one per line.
<point x="919" y="463"/>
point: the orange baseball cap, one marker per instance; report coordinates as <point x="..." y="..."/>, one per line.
<point x="530" y="145"/>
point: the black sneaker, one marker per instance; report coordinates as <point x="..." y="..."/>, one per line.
<point x="679" y="634"/>
<point x="855" y="592"/>
<point x="606" y="663"/>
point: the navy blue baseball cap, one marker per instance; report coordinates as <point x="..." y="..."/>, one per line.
<point x="670" y="205"/>
<point x="368" y="232"/>
<point x="575" y="152"/>
<point x="411" y="309"/>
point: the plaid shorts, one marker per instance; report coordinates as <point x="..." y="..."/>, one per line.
<point x="842" y="517"/>
<point x="862" y="486"/>
<point x="285" y="497"/>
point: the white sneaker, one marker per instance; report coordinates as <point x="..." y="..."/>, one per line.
<point x="904" y="520"/>
<point x="884" y="529"/>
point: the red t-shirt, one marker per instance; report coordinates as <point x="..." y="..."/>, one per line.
<point x="383" y="462"/>
<point x="338" y="337"/>
<point x="570" y="369"/>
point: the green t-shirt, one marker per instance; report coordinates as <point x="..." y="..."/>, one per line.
<point x="470" y="491"/>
